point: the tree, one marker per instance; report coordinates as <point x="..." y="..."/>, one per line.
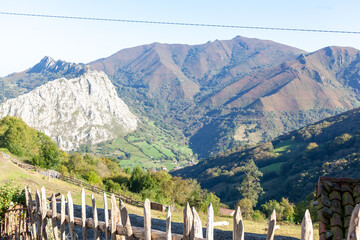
<point x="49" y="152"/>
<point x="246" y="207"/>
<point x="250" y="187"/>
<point x="284" y="209"/>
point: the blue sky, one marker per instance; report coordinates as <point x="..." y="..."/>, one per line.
<point x="24" y="40"/>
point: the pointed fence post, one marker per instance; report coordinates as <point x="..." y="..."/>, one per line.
<point x="62" y="218"/>
<point x="197" y="226"/>
<point x="238" y="227"/>
<point x="354" y="225"/>
<point x="118" y="222"/>
<point x="168" y="224"/>
<point x="43" y="207"/>
<point x="113" y="217"/>
<point x="83" y="213"/>
<point x="188" y="222"/>
<point x="53" y="217"/>
<point x="125" y="219"/>
<point x="210" y="223"/>
<point x="26" y="196"/>
<point x="38" y="214"/>
<point x="271" y="227"/>
<point x="71" y="216"/>
<point x="31" y="214"/>
<point x="147" y="220"/>
<point x="306" y="227"/>
<point x="96" y="221"/>
<point x="106" y="217"/>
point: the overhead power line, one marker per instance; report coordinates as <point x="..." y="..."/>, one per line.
<point x="180" y="23"/>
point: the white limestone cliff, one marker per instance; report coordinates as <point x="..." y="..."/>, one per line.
<point x="72" y="112"/>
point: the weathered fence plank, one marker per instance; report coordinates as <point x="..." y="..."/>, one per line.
<point x="168" y="224"/>
<point x="210" y="223"/>
<point x="62" y="218"/>
<point x="271" y="227"/>
<point x="147" y="220"/>
<point x="238" y="226"/>
<point x="306" y="227"/>
<point x="43" y="210"/>
<point x="125" y="219"/>
<point x="188" y="231"/>
<point x="83" y="213"/>
<point x="197" y="226"/>
<point x="53" y="218"/>
<point x="95" y="217"/>
<point x="18" y="226"/>
<point x="38" y="215"/>
<point x="113" y="217"/>
<point x="71" y="217"/>
<point x="106" y="217"/>
<point x="31" y="214"/>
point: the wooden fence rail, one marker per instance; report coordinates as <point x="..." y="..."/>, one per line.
<point x="34" y="222"/>
<point x="95" y="189"/>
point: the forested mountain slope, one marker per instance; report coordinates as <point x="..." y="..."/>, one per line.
<point x="291" y="163"/>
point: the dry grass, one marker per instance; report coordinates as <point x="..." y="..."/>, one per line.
<point x="21" y="177"/>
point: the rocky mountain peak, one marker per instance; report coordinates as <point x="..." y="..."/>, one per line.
<point x="74" y="111"/>
<point x="47" y="64"/>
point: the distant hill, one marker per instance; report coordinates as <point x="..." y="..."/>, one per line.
<point x="169" y="72"/>
<point x="291" y="163"/>
<point x="265" y="104"/>
<point x="170" y="82"/>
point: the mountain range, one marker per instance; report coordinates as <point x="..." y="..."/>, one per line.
<point x="221" y="94"/>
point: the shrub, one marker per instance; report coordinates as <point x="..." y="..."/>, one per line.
<point x="93" y="178"/>
<point x="342" y="139"/>
<point x="311" y="146"/>
<point x="246" y="207"/>
<point x="301" y="207"/>
<point x="10" y="193"/>
<point x="112" y="186"/>
<point x="257" y="216"/>
<point x="284" y="209"/>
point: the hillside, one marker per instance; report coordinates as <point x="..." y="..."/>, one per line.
<point x="292" y="162"/>
<point x="169" y="82"/>
<point x="34" y="180"/>
<point x="261" y="106"/>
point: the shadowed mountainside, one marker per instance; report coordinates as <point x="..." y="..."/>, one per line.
<point x="292" y="162"/>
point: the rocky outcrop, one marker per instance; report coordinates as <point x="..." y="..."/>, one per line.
<point x="47" y="64"/>
<point x="75" y="111"/>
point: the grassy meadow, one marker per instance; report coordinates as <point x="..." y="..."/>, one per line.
<point x="21" y="177"/>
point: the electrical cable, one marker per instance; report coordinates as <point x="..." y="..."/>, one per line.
<point x="181" y="23"/>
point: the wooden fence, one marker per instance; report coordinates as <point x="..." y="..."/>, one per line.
<point x="95" y="189"/>
<point x="33" y="225"/>
<point x="98" y="190"/>
<point x="14" y="223"/>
